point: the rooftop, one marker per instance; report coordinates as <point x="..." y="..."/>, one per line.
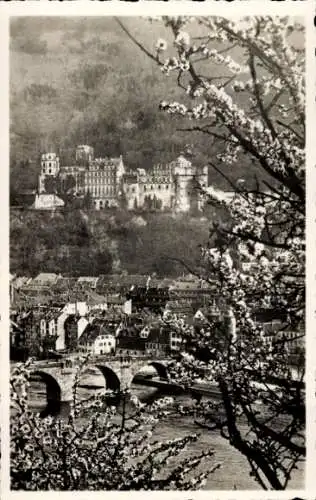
<point x="49" y="278"/>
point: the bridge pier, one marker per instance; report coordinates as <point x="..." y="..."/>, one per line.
<point x="64" y="408"/>
<point x="56" y="407"/>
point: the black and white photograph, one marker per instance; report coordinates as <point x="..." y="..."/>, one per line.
<point x="157" y="253"/>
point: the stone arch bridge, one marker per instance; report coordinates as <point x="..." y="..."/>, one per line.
<point x="59" y="376"/>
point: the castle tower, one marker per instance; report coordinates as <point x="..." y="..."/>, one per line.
<point x="49" y="166"/>
<point x="183" y="172"/>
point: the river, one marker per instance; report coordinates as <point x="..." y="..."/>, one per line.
<point x="234" y="471"/>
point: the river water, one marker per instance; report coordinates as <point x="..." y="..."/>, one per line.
<point x="234" y="471"/>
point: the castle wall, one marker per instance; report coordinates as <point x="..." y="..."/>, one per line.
<point x="164" y="192"/>
<point x="77" y="172"/>
<point x="168" y="186"/>
<point x="131" y="191"/>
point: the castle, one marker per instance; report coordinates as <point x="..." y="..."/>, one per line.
<point x="174" y="186"/>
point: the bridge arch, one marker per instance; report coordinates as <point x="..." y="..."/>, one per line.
<point x="53" y="392"/>
<point x="159" y="366"/>
<point x="112" y="380"/>
<point x="161" y="369"/>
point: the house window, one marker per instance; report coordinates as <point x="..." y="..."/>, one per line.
<point x="145" y="188"/>
<point x="159" y="186"/>
<point x="151" y="187"/>
<point x="167" y="186"/>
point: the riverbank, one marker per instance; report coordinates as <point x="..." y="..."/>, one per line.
<point x="234" y="472"/>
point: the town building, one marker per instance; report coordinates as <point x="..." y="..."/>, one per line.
<point x="97" y="339"/>
<point x="119" y="303"/>
<point x="48" y="324"/>
<point x="36" y="330"/>
<point x="16" y="284"/>
<point x="44" y="280"/>
<point x="157" y="342"/>
<point x="47" y="201"/>
<point x="277" y="333"/>
<point x="129" y="342"/>
<point x="152" y="298"/>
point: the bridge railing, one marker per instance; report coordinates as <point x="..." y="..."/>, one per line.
<point x="125" y="359"/>
<point x="71" y="361"/>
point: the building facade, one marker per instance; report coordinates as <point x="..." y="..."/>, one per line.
<point x="174" y="186"/>
<point x="103" y="181"/>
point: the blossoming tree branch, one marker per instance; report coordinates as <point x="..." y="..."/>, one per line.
<point x="243" y="85"/>
<point x="100" y="446"/>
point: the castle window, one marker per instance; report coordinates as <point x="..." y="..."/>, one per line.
<point x="49" y="164"/>
<point x="159" y="186"/>
<point x="167" y="186"/>
<point x="145" y="187"/>
<point x="133" y="190"/>
<point x="151" y="187"/>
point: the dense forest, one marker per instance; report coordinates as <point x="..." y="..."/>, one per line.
<point x="91" y="243"/>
